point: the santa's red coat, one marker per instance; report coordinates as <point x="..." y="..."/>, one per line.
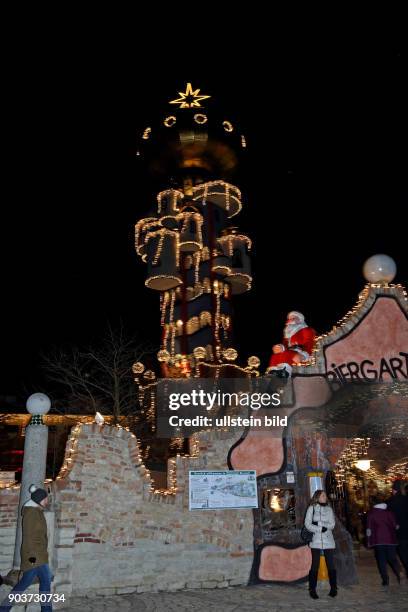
<point x="303" y="339"/>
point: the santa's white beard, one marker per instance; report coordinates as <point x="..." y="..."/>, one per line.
<point x="293" y="328"/>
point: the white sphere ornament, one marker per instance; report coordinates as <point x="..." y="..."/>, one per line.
<point x="38" y="403"/>
<point x="379" y="269"/>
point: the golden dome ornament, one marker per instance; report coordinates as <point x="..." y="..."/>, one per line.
<point x="149" y="375"/>
<point x="254" y="361"/>
<point x="230" y="354"/>
<point x="138" y="368"/>
<point x="200" y="352"/>
<point x="163" y="356"/>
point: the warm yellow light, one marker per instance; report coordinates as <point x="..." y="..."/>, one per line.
<point x="138" y="368"/>
<point x="230" y="354"/>
<point x="190" y="98"/>
<point x="200" y="352"/>
<point x="274" y="503"/>
<point x="363" y="464"/>
<point x="170" y="121"/>
<point x="253" y="361"/>
<point x="200" y="118"/>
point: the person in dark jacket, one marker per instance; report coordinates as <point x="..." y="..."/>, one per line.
<point x="382" y="536"/>
<point x="398" y="503"/>
<point x="34" y="549"/>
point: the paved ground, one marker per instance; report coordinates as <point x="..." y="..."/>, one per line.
<point x="367" y="596"/>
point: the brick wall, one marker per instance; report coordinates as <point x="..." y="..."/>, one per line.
<point x="114" y="533"/>
<point x="8" y="522"/>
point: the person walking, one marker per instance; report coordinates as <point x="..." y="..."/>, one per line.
<point x="382" y="536"/>
<point x="398" y="504"/>
<point x="320" y="521"/>
<point x="34" y="549"/>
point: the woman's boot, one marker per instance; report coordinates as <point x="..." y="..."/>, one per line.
<point x="313" y="584"/>
<point x="333" y="583"/>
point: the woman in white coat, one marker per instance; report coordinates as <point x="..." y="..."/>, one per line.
<point x="320" y="521"/>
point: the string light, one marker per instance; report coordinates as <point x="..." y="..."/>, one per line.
<point x="141" y="227"/>
<point x="195" y="323"/>
<point x="163" y="307"/>
<point x="173" y="328"/>
<point x="192" y="325"/>
<point x="165" y="336"/>
<point x="398" y="471"/>
<point x="170" y="121"/>
<point x="227" y="125"/>
<point x="229" y="241"/>
<point x="365" y="300"/>
<point x="159" y="246"/>
<point x="200" y="119"/>
<point x="243" y="275"/>
<point x="151" y="279"/>
<point x="230" y="194"/>
<point x="174" y="194"/>
<point x="357" y="448"/>
<point x="186" y="217"/>
<point x="223" y="195"/>
<point x="227" y="196"/>
<point x="197" y="257"/>
<point x="217" y="314"/>
<point x="162" y="233"/>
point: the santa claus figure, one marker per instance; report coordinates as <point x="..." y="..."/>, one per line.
<point x="297" y="346"/>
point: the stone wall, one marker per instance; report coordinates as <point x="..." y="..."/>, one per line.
<point x="114" y="533"/>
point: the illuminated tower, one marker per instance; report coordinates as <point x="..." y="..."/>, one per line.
<point x="196" y="257"/>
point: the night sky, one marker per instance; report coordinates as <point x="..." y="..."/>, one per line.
<point x="324" y="188"/>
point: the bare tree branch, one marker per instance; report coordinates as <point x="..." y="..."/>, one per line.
<point x="97" y="377"/>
